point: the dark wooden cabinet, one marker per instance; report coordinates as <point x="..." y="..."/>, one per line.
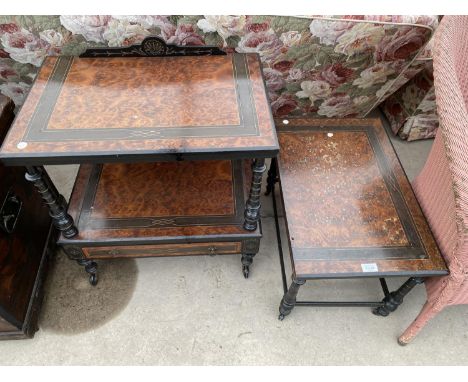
<point x="25" y="229"/>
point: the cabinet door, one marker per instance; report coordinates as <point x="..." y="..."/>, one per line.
<point x="24" y="227"/>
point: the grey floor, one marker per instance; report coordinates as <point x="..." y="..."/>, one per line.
<point x="201" y="311"/>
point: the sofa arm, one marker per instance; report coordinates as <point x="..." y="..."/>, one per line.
<point x="412" y="110"/>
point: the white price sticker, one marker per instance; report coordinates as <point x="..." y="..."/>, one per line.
<point x="370" y="267"/>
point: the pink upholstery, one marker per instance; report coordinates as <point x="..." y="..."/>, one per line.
<point x="442" y="186"/>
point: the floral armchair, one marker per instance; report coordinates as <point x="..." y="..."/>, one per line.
<point x="336" y="66"/>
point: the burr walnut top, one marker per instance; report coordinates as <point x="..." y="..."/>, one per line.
<point x="349" y="206"/>
<point x="122" y="107"/>
<point x="140" y="201"/>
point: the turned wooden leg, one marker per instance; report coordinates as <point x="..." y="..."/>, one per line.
<point x="289" y="299"/>
<point x="91" y="269"/>
<point x="250" y="248"/>
<point x="272" y="176"/>
<point x="252" y="207"/>
<point x="395" y="299"/>
<point x="247" y="260"/>
<point x="54" y="201"/>
<point x="76" y="253"/>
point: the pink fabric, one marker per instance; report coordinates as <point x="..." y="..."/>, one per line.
<point x="433" y="188"/>
<point x="442" y="186"/>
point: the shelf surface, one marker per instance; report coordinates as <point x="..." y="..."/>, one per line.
<point x="163" y="201"/>
<point x="95" y="110"/>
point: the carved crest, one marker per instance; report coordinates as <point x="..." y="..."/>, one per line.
<point x="153" y="46"/>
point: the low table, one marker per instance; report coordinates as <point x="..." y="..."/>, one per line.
<point x="150" y="103"/>
<point x="349" y="210"/>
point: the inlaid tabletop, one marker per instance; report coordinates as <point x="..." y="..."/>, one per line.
<point x="107" y="109"/>
<point x="139" y="201"/>
<point x="349" y="206"/>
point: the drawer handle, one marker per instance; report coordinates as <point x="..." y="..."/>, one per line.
<point x="114" y="252"/>
<point x="10" y="212"/>
<point x="212" y="251"/>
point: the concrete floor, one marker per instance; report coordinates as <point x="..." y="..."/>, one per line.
<point x="201" y="311"/>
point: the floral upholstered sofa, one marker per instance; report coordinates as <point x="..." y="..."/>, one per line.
<point x="412" y="109"/>
<point x="334" y="66"/>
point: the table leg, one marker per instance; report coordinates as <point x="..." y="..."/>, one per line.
<point x="252" y="207"/>
<point x="250" y="248"/>
<point x="289" y="299"/>
<point x="91" y="268"/>
<point x="247" y="260"/>
<point x="54" y="201"/>
<point x="395" y="299"/>
<point x="272" y="176"/>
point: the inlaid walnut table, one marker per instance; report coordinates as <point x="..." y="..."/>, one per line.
<point x="349" y="210"/>
<point x="172" y="142"/>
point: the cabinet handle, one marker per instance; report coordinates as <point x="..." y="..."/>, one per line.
<point x="212" y="251"/>
<point x="9" y="213"/>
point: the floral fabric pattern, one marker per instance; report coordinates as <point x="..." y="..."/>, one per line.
<point x="334" y="66"/>
<point x="412" y="110"/>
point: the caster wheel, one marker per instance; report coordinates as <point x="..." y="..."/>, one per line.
<point x="245" y="271"/>
<point x="281" y="317"/>
<point x="93" y="279"/>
